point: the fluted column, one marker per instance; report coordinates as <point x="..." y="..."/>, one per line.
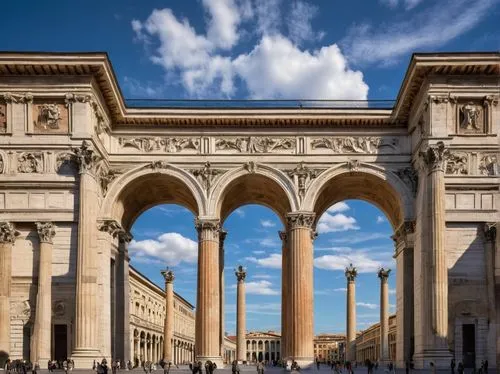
<point x="434" y="160"/>
<point x="86" y="319"/>
<point x="222" y="238"/>
<point x="207" y="329"/>
<point x="8" y="236"/>
<point x="351" y="274"/>
<point x="284" y="294"/>
<point x="123" y="295"/>
<point x="383" y="274"/>
<point x="41" y="339"/>
<point x="241" y="354"/>
<point x="300" y="298"/>
<point x="168" y="326"/>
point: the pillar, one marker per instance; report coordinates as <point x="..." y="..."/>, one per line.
<point x="207" y="323"/>
<point x="8" y="236"/>
<point x="168" y="326"/>
<point x="490" y="231"/>
<point x="434" y="163"/>
<point x="86" y="319"/>
<point x="300" y="298"/>
<point x="42" y="330"/>
<point x="284" y="294"/>
<point x="222" y="237"/>
<point x="351" y="274"/>
<point x="383" y="274"/>
<point x="122" y="340"/>
<point x="241" y="354"/>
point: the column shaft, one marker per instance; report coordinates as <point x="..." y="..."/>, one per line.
<point x="168" y="328"/>
<point x="241" y="355"/>
<point x="222" y="238"/>
<point x="208" y="299"/>
<point x="300" y="292"/>
<point x="284" y="295"/>
<point x="122" y="302"/>
<point x="351" y="274"/>
<point x="384" y="314"/>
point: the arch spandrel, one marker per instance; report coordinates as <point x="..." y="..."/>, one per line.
<point x="368" y="182"/>
<point x="258" y="184"/>
<point x="144" y="187"/>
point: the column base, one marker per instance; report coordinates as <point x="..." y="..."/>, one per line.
<point x="216" y="359"/>
<point x="440" y="357"/>
<point x="84" y="358"/>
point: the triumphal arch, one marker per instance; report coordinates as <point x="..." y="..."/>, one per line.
<point x="78" y="165"/>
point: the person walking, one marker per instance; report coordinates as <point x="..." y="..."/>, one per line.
<point x="460" y="368"/>
<point x="235" y="369"/>
<point x="260" y="368"/>
<point x="485" y="366"/>
<point x="433" y="368"/>
<point x="452" y="366"/>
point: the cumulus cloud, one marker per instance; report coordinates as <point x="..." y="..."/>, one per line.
<point x="240" y="212"/>
<point x="431" y="27"/>
<point x="267" y="223"/>
<point x="275" y="67"/>
<point x="262" y="276"/>
<point x="338" y="207"/>
<point x="364" y="261"/>
<point x="171" y="248"/>
<point x="263" y="308"/>
<point x="380" y="219"/>
<point x="361" y="238"/>
<point x="366" y="305"/>
<point x="258" y="252"/>
<point x="273" y="261"/>
<point x="262" y="287"/>
<point x="336" y="222"/>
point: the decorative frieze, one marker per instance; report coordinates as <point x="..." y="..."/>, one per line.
<point x="488" y="164"/>
<point x="46" y="231"/>
<point x="160" y="144"/>
<point x="77" y="98"/>
<point x="410" y="177"/>
<point x="30" y="162"/>
<point x="206" y="175"/>
<point x="361" y="144"/>
<point x="255" y="144"/>
<point x="300" y="219"/>
<point x="457" y="163"/>
<point x="8" y="233"/>
<point x="302" y="176"/>
<point x="3" y="118"/>
<point x="351" y="273"/>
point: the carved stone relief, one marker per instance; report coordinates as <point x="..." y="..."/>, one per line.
<point x="353" y="165"/>
<point x="255" y="144"/>
<point x="30" y="162"/>
<point x="51" y="118"/>
<point x="410" y="177"/>
<point x="21" y="310"/>
<point x="488" y="164"/>
<point x="160" y="144"/>
<point x="457" y="163"/>
<point x="2" y="164"/>
<point x="18" y="98"/>
<point x="206" y="175"/>
<point x="471" y="117"/>
<point x="3" y="118"/>
<point x="363" y="144"/>
<point x="302" y="176"/>
<point x="59" y="308"/>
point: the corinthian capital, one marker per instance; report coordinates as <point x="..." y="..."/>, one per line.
<point x="434" y="157"/>
<point x="8" y="233"/>
<point x="383" y="274"/>
<point x="85" y="157"/>
<point x="240" y="273"/>
<point x="212" y="224"/>
<point x="351" y="273"/>
<point x="46" y="231"/>
<point x="300" y="219"/>
<point x="168" y="275"/>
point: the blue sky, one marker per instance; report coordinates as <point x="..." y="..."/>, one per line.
<point x="240" y="49"/>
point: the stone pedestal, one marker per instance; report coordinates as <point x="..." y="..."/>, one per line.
<point x="86" y="319"/>
<point x="300" y="296"/>
<point x="168" y="327"/>
<point x="8" y="236"/>
<point x="351" y="274"/>
<point x="284" y="296"/>
<point x="42" y="330"/>
<point x="207" y="326"/>
<point x="241" y="351"/>
<point x="383" y="274"/>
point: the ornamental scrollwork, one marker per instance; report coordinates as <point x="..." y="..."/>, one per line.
<point x="206" y="175"/>
<point x="302" y="176"/>
<point x="18" y="98"/>
<point x="300" y="219"/>
<point x="110" y="226"/>
<point x="46" y="231"/>
<point x="165" y="144"/>
<point x="488" y="164"/>
<point x="30" y="162"/>
<point x="410" y="177"/>
<point x="457" y="163"/>
<point x="240" y="273"/>
<point x="351" y="273"/>
<point x="255" y="144"/>
<point x="363" y="144"/>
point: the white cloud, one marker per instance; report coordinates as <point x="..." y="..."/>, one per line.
<point x="360" y="238"/>
<point x="268" y="16"/>
<point x="267" y="223"/>
<point x="380" y="219"/>
<point x="267" y="242"/>
<point x="258" y="252"/>
<point x="264" y="308"/>
<point x="223" y="23"/>
<point x="341" y="289"/>
<point x="364" y="262"/>
<point x="367" y="305"/>
<point x="338" y="207"/>
<point x="299" y="22"/>
<point x="262" y="276"/>
<point x="273" y="261"/>
<point x="172" y="248"/>
<point x="430" y="28"/>
<point x="408" y="4"/>
<point x="392" y="291"/>
<point x="143" y="90"/>
<point x="338" y="222"/>
<point x="240" y="212"/>
<point x="262" y="287"/>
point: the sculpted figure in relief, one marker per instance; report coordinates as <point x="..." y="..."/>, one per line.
<point x="488" y="165"/>
<point x="254" y="144"/>
<point x="368" y="144"/>
<point x="50" y="116"/>
<point x="456" y="164"/>
<point x="470" y="117"/>
<point x="30" y="163"/>
<point x="3" y="118"/>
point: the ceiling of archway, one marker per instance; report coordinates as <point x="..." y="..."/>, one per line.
<point x="148" y="191"/>
<point x="364" y="187"/>
<point x="254" y="189"/>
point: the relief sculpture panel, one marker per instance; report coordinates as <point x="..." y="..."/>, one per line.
<point x="255" y="144"/>
<point x="3" y="118"/>
<point x="351" y="144"/>
<point x="50" y="118"/>
<point x="160" y="144"/>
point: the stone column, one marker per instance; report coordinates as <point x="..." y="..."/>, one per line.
<point x="123" y="294"/>
<point x="241" y="354"/>
<point x="208" y="298"/>
<point x="351" y="273"/>
<point x="300" y="298"/>
<point x="168" y="326"/>
<point x="222" y="237"/>
<point x="42" y="330"/>
<point x="8" y="236"/>
<point x="284" y="294"/>
<point x="434" y="159"/>
<point x="383" y="274"/>
<point x="86" y="319"/>
<point x="490" y="232"/>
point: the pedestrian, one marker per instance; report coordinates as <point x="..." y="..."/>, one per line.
<point x="460" y="368"/>
<point x="485" y="366"/>
<point x="452" y="366"/>
<point x="235" y="369"/>
<point x="65" y="366"/>
<point x="317" y="363"/>
<point x="113" y="367"/>
<point x="260" y="368"/>
<point x="433" y="368"/>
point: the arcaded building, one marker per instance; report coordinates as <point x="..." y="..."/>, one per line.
<point x="368" y="343"/>
<point x="79" y="163"/>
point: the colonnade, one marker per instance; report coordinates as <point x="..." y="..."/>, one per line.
<point x="150" y="347"/>
<point x="264" y="350"/>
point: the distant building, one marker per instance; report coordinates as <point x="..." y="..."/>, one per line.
<point x="329" y="347"/>
<point x="368" y="342"/>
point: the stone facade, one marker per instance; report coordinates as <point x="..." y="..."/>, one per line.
<point x="368" y="345"/>
<point x="74" y="155"/>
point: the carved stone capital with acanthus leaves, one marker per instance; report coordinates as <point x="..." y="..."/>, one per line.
<point x="46" y="231"/>
<point x="351" y="273"/>
<point x="8" y="233"/>
<point x="300" y="219"/>
<point x="208" y="228"/>
<point x="86" y="158"/>
<point x="434" y="157"/>
<point x="240" y="273"/>
<point x="168" y="275"/>
<point x="383" y="274"/>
